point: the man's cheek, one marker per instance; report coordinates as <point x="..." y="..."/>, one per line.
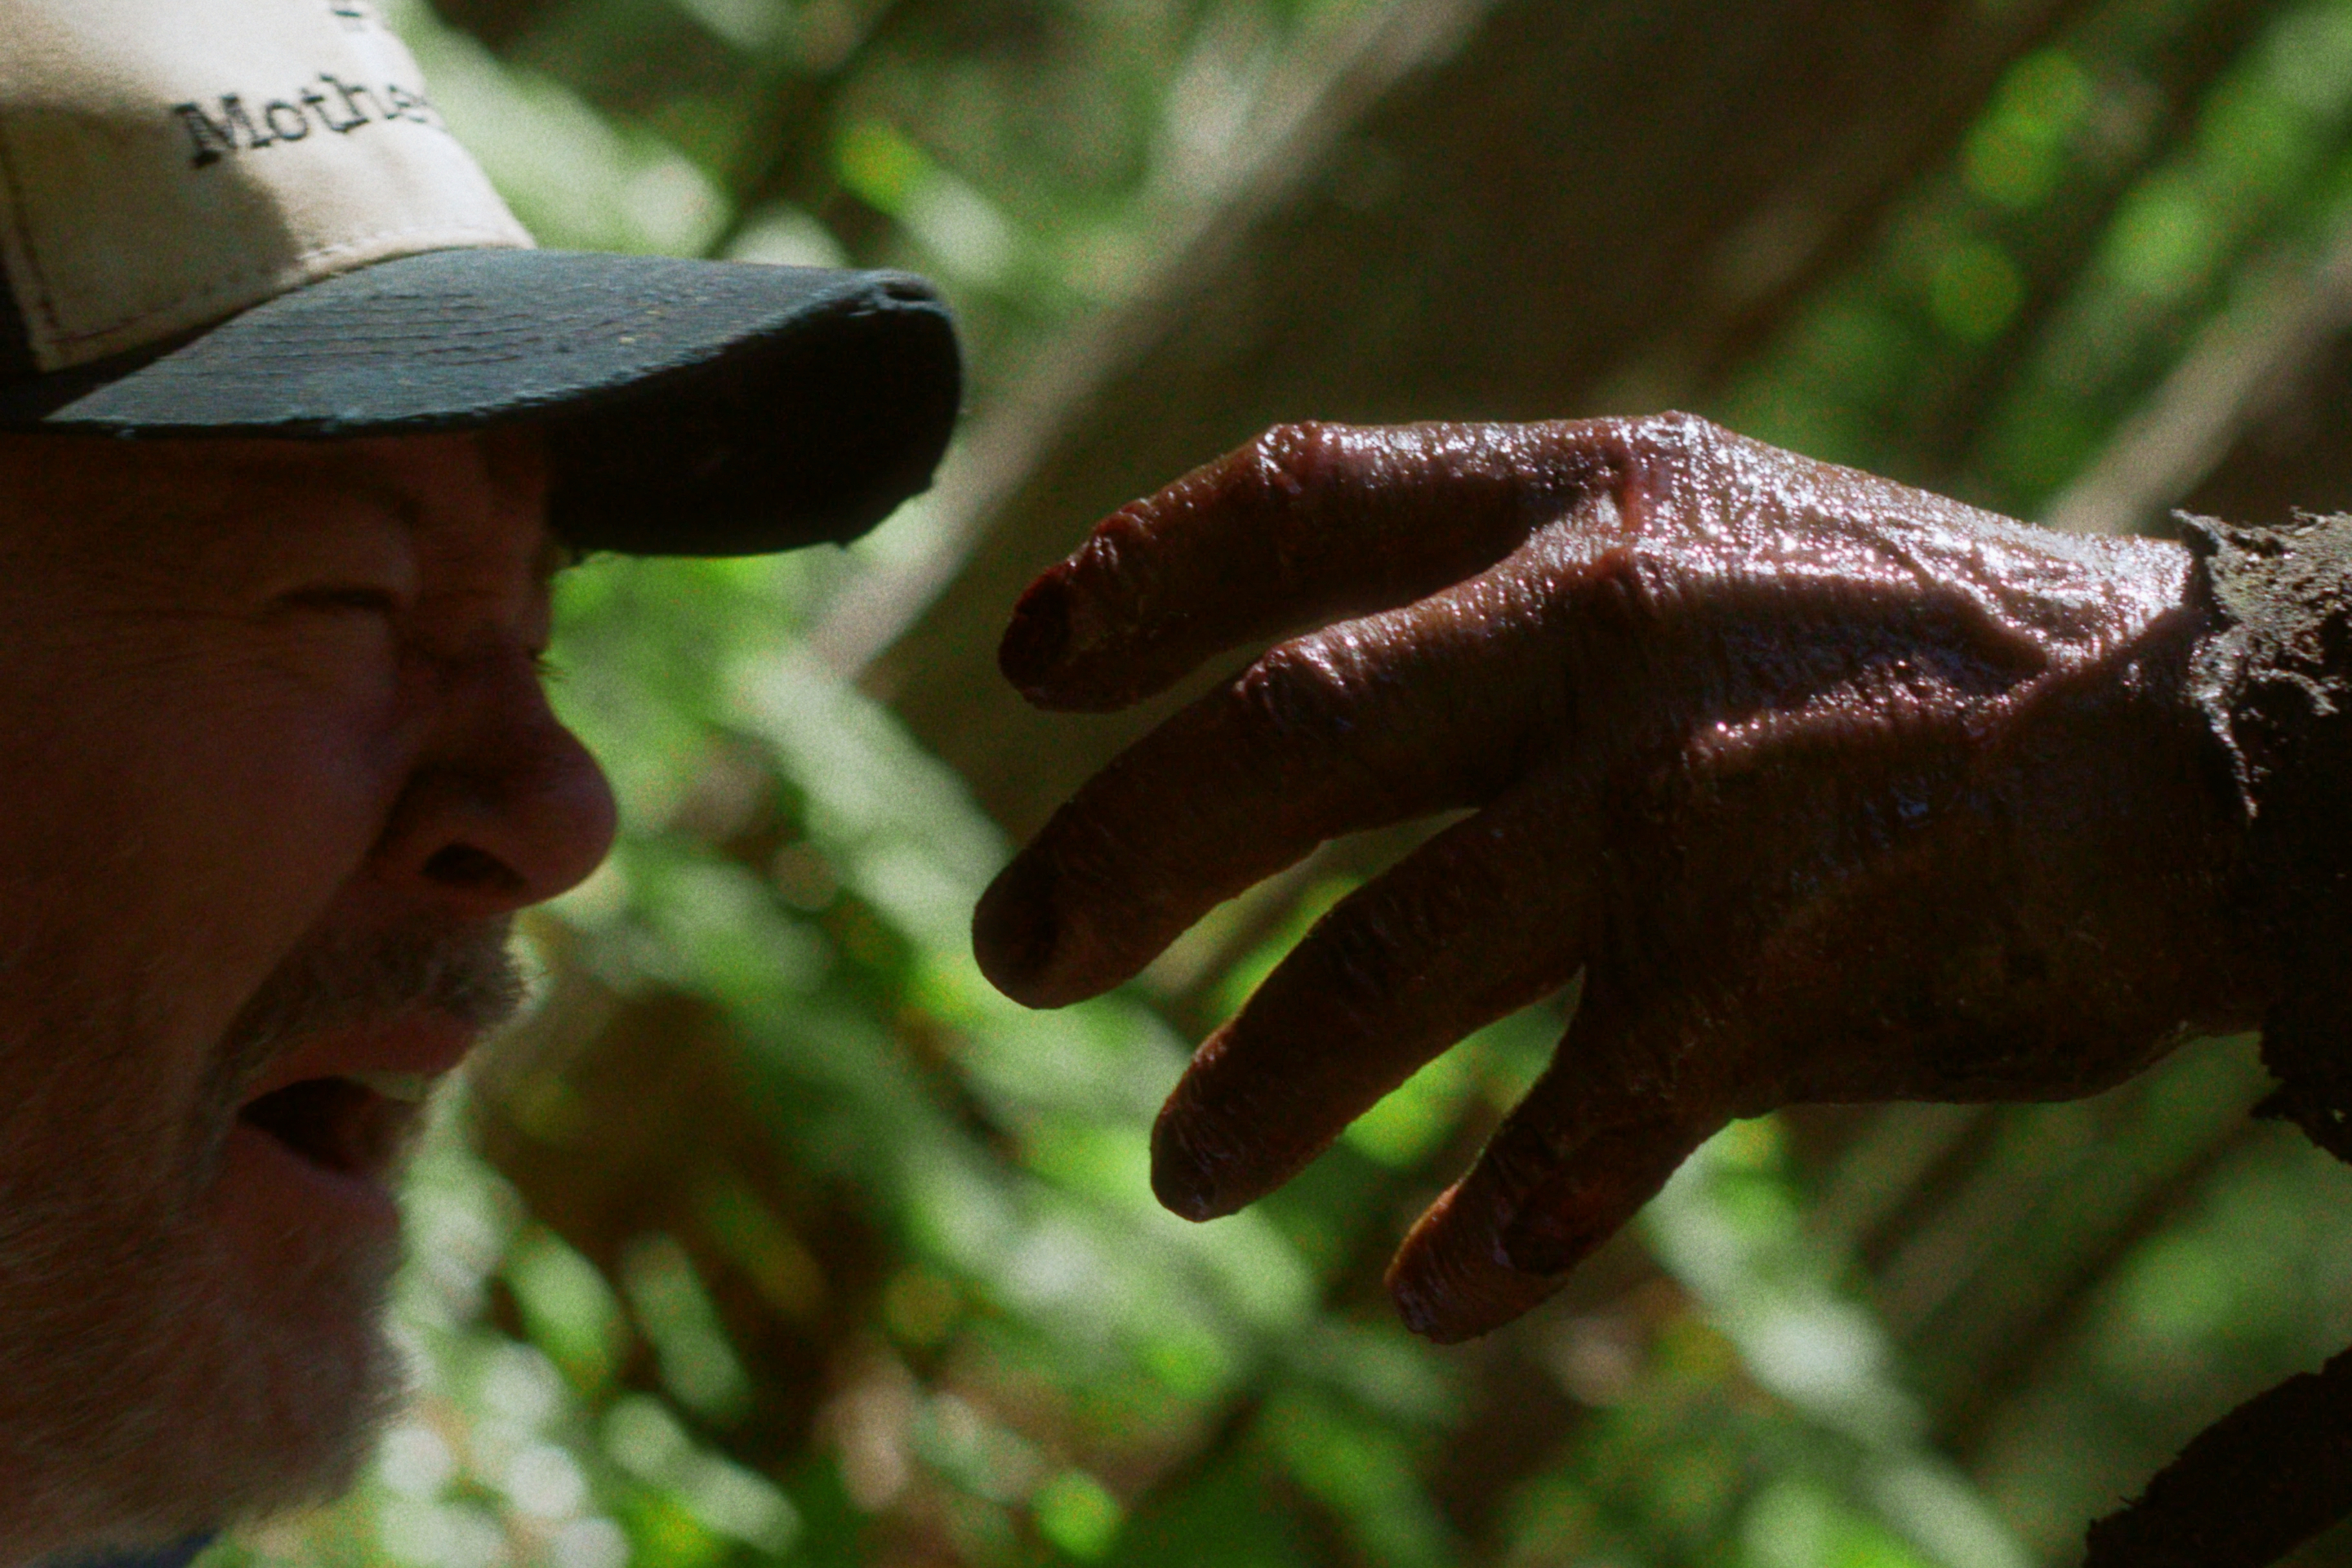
<point x="297" y="809"/>
<point x="272" y="820"/>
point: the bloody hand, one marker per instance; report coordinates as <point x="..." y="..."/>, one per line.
<point x="1834" y="789"/>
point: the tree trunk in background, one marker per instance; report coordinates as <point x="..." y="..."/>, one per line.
<point x="2295" y="453"/>
<point x="1509" y="234"/>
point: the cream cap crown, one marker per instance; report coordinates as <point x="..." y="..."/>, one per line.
<point x="246" y="217"/>
<point x="165" y="163"/>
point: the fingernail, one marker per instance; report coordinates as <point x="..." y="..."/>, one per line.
<point x="1183" y="1190"/>
<point x="1013" y="928"/>
<point x="1182" y="1174"/>
<point x="1040" y="633"/>
<point x="1420" y="1314"/>
<point x="1433" y="1294"/>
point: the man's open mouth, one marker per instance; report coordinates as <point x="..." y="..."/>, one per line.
<point x="355" y="1125"/>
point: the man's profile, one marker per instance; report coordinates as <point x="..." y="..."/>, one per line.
<point x="295" y="430"/>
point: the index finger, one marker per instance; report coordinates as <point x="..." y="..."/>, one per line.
<point x="1307" y="524"/>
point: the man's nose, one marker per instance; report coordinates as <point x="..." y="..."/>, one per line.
<point x="505" y="807"/>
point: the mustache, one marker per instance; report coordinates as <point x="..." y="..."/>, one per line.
<point x="345" y="979"/>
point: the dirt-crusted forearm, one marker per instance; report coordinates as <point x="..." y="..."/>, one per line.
<point x="1830" y="790"/>
<point x="2274" y="679"/>
<point x="2272" y="674"/>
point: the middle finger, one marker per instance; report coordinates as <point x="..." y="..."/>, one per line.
<point x="1399" y="715"/>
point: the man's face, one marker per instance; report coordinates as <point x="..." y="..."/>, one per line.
<point x="275" y="769"/>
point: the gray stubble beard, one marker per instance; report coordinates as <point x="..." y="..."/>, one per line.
<point x="149" y="1386"/>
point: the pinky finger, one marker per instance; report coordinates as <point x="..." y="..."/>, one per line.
<point x="1565" y="1172"/>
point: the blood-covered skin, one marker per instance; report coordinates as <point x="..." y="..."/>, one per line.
<point x="1834" y="790"/>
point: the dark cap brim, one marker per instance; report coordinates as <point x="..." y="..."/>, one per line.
<point x="692" y="407"/>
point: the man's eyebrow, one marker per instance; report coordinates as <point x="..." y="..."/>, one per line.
<point x="176" y="526"/>
<point x="300" y="471"/>
<point x="233" y="507"/>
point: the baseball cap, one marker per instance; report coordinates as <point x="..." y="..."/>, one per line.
<point x="247" y="217"/>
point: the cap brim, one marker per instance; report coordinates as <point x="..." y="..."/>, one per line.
<point x="692" y="407"/>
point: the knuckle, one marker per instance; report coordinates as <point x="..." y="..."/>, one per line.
<point x="1290" y="459"/>
<point x="1116" y="540"/>
<point x="1303" y="685"/>
<point x="1305" y="720"/>
<point x="1671" y="431"/>
<point x="1655" y="457"/>
<point x="1623" y="595"/>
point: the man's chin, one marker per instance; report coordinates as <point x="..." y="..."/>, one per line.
<point x="238" y="1368"/>
<point x="307" y="1256"/>
<point x="267" y="1198"/>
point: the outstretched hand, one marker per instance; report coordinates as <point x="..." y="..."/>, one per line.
<point x="1834" y="790"/>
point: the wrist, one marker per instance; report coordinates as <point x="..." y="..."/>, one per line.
<point x="2272" y="676"/>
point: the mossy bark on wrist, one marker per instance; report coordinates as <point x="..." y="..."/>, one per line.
<point x="2274" y="680"/>
<point x="2273" y="677"/>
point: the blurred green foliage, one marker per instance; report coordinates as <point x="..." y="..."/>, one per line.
<point x="774" y="1235"/>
